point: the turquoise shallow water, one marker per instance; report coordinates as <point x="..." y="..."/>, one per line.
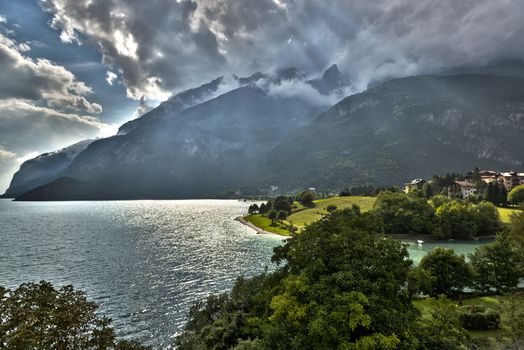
<point x="144" y="262"/>
<point x="417" y="251"/>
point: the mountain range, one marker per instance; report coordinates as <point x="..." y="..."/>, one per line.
<point x="238" y="133"/>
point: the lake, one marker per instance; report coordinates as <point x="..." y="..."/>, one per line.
<point x="144" y="262"/>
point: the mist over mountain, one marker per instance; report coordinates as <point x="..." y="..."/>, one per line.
<point x="43" y="169"/>
<point x="406" y="128"/>
<point x="277" y="130"/>
<point x="203" y="140"/>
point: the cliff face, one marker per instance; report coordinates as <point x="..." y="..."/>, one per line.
<point x="407" y="128"/>
<point x="43" y="169"/>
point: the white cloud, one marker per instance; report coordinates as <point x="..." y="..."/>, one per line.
<point x="110" y="77"/>
<point x="41" y="80"/>
<point x="28" y="130"/>
<point x="3" y="19"/>
<point x="24" y="47"/>
<point x="6" y="154"/>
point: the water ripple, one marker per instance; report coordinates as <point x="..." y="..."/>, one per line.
<point x="144" y="262"/>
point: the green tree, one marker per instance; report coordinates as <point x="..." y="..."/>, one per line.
<point x="497" y="265"/>
<point x="403" y="214"/>
<point x="450" y="271"/>
<point x="282" y="215"/>
<point x="272" y="215"/>
<point x="475" y="176"/>
<point x="487" y="219"/>
<point x="516" y="195"/>
<point x="456" y="220"/>
<point x="345" y="193"/>
<point x="427" y="191"/>
<point x="306" y="198"/>
<point x="338" y="285"/>
<point x="38" y="316"/>
<point x="516" y="228"/>
<point x="253" y="208"/>
<point x="282" y="204"/>
<point x="439" y="200"/>
<point x="496" y="193"/>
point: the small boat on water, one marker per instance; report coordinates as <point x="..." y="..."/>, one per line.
<point x="420" y="242"/>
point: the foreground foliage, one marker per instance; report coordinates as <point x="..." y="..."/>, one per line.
<point x="340" y="285"/>
<point x="38" y="316"/>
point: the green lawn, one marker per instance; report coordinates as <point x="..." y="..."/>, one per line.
<point x="309" y="215"/>
<point x="505" y="214"/>
<point x="302" y="215"/>
<point x="264" y="223"/>
<point x="424" y="306"/>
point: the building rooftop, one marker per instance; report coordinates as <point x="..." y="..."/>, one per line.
<point x="465" y="184"/>
<point x="416" y="182"/>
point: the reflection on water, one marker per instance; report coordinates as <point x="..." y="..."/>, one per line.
<point x="144" y="262"/>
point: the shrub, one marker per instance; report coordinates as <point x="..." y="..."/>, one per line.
<point x="516" y="195"/>
<point x="478" y="318"/>
<point x="331" y="208"/>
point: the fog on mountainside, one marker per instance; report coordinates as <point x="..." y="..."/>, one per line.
<point x="227" y="125"/>
<point x="248" y="138"/>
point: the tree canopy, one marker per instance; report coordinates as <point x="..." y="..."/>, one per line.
<point x="516" y="195"/>
<point x="38" y="316"/>
<point x="449" y="272"/>
<point x="338" y="285"/>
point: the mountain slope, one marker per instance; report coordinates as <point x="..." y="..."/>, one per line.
<point x="206" y="149"/>
<point x="43" y="169"/>
<point x="405" y="128"/>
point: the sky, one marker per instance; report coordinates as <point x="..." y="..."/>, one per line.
<point x="77" y="69"/>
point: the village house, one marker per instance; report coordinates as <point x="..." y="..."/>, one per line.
<point x="489" y="176"/>
<point x="509" y="179"/>
<point x="414" y="185"/>
<point x="465" y="189"/>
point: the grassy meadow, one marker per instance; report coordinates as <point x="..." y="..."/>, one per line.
<point x="301" y="215"/>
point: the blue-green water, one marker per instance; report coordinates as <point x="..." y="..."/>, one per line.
<point x="144" y="262"/>
<point x="417" y="251"/>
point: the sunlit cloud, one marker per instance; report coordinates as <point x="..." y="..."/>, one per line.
<point x="26" y="157"/>
<point x="6" y="154"/>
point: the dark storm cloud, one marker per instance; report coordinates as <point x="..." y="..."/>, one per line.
<point x="163" y="46"/>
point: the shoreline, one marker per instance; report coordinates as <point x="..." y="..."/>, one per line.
<point x="257" y="229"/>
<point x="408" y="238"/>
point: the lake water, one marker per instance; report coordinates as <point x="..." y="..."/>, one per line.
<point x="144" y="262"/>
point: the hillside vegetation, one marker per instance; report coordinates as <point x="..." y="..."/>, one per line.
<point x="302" y="216"/>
